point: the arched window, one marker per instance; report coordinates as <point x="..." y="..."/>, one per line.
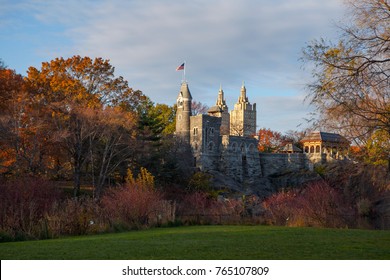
<point x="251" y="148"/>
<point x="242" y="147"/>
<point x="234" y="147"/>
<point x="311" y="149"/>
<point x="306" y="149"/>
<point x="210" y="146"/>
<point x="211" y="131"/>
<point x="318" y="149"/>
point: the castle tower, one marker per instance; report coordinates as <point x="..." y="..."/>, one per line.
<point x="243" y="117"/>
<point x="183" y="112"/>
<point x="221" y="110"/>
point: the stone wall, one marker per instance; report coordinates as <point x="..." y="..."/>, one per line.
<point x="276" y="163"/>
<point x="239" y="158"/>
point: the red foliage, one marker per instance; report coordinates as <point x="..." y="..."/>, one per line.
<point x="133" y="207"/>
<point x="270" y="141"/>
<point x="317" y="205"/>
<point x="200" y="208"/>
<point x="23" y="206"/>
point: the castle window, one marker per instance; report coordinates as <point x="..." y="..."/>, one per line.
<point x="211" y="131"/>
<point x="251" y="148"/>
<point x="210" y="146"/>
<point x="234" y="147"/>
<point x="179" y="117"/>
<point x="195" y="131"/>
<point x="242" y="147"/>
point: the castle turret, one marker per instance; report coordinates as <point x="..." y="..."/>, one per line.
<point x="243" y="117"/>
<point x="183" y="113"/>
<point x="220" y="109"/>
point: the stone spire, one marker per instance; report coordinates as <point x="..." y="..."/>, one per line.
<point x="243" y="98"/>
<point x="221" y="102"/>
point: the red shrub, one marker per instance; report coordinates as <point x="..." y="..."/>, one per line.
<point x="200" y="208"/>
<point x="74" y="217"/>
<point x="23" y="205"/>
<point x="282" y="208"/>
<point x="316" y="205"/>
<point x="134" y="207"/>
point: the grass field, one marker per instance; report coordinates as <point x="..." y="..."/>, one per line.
<point x="210" y="242"/>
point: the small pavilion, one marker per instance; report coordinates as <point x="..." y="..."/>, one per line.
<point x="324" y="144"/>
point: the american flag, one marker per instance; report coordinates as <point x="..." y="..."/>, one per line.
<point x="181" y="67"/>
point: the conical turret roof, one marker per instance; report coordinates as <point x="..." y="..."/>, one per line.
<point x="185" y="91"/>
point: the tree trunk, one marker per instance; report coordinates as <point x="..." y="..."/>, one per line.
<point x="76" y="180"/>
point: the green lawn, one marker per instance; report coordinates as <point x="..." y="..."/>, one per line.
<point x="210" y="242"/>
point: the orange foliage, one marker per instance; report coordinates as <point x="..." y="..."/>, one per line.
<point x="270" y="141"/>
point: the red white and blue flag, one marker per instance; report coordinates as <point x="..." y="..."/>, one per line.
<point x="181" y="67"/>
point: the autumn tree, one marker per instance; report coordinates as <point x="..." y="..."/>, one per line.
<point x="75" y="91"/>
<point x="24" y="135"/>
<point x="351" y="77"/>
<point x="270" y="141"/>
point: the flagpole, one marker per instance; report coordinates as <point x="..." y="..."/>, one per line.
<point x="184" y="72"/>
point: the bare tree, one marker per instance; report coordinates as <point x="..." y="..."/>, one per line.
<point x="198" y="108"/>
<point x="352" y="77"/>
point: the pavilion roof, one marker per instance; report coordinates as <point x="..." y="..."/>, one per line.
<point x="319" y="136"/>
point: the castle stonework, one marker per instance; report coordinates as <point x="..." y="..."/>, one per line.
<point x="215" y="146"/>
<point x="183" y="112"/>
<point x="243" y="117"/>
<point x="224" y="142"/>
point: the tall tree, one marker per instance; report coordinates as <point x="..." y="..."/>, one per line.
<point x="70" y="88"/>
<point x="22" y="128"/>
<point x="351" y="77"/>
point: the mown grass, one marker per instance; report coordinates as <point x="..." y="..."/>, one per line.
<point x="210" y="242"/>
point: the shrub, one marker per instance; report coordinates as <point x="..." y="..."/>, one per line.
<point x="23" y="206"/>
<point x="134" y="207"/>
<point x="74" y="217"/>
<point x="317" y="205"/>
<point x="282" y="208"/>
<point x="201" y="208"/>
<point x="324" y="206"/>
<point x="200" y="182"/>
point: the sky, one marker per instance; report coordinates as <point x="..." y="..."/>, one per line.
<point x="223" y="42"/>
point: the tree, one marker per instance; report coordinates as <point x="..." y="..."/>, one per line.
<point x="351" y="77"/>
<point x="75" y="91"/>
<point x="23" y="127"/>
<point x="2" y="64"/>
<point x="198" y="108"/>
<point x="270" y="141"/>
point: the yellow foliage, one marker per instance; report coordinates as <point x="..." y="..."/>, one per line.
<point x="144" y="180"/>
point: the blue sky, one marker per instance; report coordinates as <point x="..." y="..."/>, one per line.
<point x="222" y="41"/>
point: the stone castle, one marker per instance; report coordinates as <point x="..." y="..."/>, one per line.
<point x="224" y="142"/>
